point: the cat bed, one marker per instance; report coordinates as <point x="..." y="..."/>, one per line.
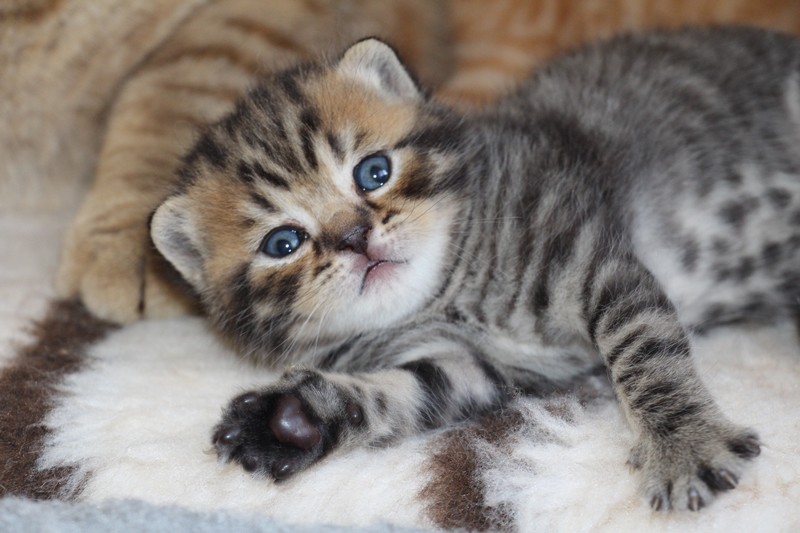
<point x="109" y="427"/>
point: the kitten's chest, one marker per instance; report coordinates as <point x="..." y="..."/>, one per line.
<point x="520" y="338"/>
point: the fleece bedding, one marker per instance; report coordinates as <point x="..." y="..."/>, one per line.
<point x="104" y="426"/>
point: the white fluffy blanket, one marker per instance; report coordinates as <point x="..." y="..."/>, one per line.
<point x="94" y="416"/>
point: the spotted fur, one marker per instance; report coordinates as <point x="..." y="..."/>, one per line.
<point x="629" y="195"/>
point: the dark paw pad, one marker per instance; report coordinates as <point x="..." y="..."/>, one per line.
<point x="290" y="424"/>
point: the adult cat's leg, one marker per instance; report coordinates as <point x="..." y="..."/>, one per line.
<point x="686" y="449"/>
<point x="107" y="259"/>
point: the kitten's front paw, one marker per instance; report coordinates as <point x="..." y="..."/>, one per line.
<point x="287" y="428"/>
<point x="107" y="262"/>
<point x="686" y="473"/>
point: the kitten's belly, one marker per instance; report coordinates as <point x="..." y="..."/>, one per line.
<point x="732" y="256"/>
<point x="560" y="361"/>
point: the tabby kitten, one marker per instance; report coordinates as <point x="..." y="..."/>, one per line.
<point x="415" y="266"/>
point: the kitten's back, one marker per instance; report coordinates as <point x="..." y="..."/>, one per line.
<point x="698" y="132"/>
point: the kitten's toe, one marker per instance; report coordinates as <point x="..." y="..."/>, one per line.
<point x="635" y="457"/>
<point x="719" y="479"/>
<point x="747" y="445"/>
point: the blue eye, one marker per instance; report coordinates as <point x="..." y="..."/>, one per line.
<point x="283" y="241"/>
<point x="372" y="172"/>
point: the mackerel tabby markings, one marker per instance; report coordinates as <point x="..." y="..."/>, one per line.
<point x="629" y="195"/>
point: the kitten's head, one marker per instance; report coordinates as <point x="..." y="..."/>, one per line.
<point x="323" y="206"/>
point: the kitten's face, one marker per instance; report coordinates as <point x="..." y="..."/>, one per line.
<point x="322" y="207"/>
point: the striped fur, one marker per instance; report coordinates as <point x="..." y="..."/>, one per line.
<point x="176" y="66"/>
<point x="501" y="41"/>
<point x="113" y="92"/>
<point x="523" y="247"/>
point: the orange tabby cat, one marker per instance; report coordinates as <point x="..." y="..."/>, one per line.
<point x="499" y="42"/>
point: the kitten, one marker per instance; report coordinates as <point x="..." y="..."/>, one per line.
<point x="415" y="266"/>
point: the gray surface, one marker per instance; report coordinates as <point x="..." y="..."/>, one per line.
<point x="26" y="516"/>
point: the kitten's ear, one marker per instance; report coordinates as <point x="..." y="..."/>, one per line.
<point x="375" y="63"/>
<point x="176" y="236"/>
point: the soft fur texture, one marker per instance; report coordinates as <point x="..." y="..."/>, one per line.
<point x="116" y="91"/>
<point x="56" y="111"/>
<point x="136" y="419"/>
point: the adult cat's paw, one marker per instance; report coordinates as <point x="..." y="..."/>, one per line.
<point x="108" y="263"/>
<point x="286" y="428"/>
<point x="687" y="472"/>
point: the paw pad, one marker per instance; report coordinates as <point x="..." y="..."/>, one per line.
<point x="290" y="424"/>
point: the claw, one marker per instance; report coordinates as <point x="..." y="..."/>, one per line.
<point x="728" y="481"/>
<point x="746" y="447"/>
<point x="657" y="502"/>
<point x="695" y="501"/>
<point x="718" y="480"/>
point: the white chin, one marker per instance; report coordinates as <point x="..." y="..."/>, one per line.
<point x="389" y="294"/>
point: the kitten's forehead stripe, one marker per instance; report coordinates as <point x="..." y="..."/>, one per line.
<point x="208" y="149"/>
<point x="416" y="180"/>
<point x="288" y="82"/>
<point x="309" y="151"/>
<point x="439" y="137"/>
<point x="282" y="154"/>
<point x="252" y="171"/>
<point x="310" y="120"/>
<point x="263" y="203"/>
<point x="336" y="145"/>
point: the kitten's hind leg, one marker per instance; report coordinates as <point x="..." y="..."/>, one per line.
<point x="686" y="449"/>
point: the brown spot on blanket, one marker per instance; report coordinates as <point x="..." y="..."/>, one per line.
<point x="455" y="496"/>
<point x="27" y="391"/>
<point x="455" y="493"/>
